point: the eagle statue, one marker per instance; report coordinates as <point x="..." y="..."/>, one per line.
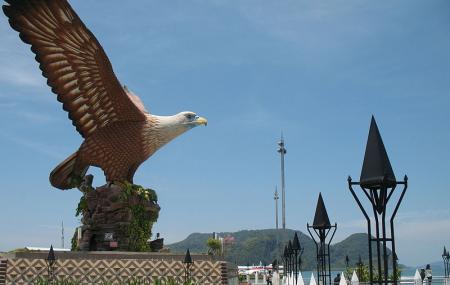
<point x="119" y="133"/>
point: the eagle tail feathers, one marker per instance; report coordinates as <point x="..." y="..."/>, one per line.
<point x="68" y="174"/>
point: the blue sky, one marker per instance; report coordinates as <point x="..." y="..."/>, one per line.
<point x="315" y="69"/>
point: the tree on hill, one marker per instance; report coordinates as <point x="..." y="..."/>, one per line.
<point x="214" y="246"/>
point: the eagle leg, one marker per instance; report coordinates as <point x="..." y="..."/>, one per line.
<point x="131" y="172"/>
<point x="119" y="176"/>
<point x="86" y="185"/>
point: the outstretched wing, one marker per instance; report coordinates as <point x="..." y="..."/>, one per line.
<point x="73" y="61"/>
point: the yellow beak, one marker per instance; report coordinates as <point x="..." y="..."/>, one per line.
<point x="201" y="121"/>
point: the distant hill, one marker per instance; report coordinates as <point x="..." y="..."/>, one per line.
<point x="436" y="265"/>
<point x="253" y="246"/>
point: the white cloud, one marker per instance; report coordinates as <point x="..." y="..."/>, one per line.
<point x="428" y="225"/>
<point x="19" y="73"/>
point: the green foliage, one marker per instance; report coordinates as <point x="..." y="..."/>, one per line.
<point x="131" y="281"/>
<point x="136" y="281"/>
<point x="82" y="206"/>
<point x="130" y="190"/>
<point x="364" y="275"/>
<point x="19" y="250"/>
<point x="138" y="230"/>
<point x="214" y="246"/>
<point x="397" y="274"/>
<point x="156" y="281"/>
<point x="75" y="181"/>
<point x="43" y="281"/>
<point x="253" y="246"/>
<point x="73" y="241"/>
<point x="171" y="281"/>
<point x="250" y="246"/>
<point x="40" y="281"/>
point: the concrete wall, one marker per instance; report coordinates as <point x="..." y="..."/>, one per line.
<point x="97" y="267"/>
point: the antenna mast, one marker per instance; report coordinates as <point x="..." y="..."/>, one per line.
<point x="282" y="152"/>
<point x="276" y="197"/>
<point x="62" y="234"/>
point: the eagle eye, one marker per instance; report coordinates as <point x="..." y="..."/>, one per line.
<point x="190" y="117"/>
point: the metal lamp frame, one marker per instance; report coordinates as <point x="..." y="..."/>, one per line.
<point x="379" y="196"/>
<point x="323" y="252"/>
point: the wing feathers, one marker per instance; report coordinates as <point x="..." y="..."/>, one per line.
<point x="74" y="63"/>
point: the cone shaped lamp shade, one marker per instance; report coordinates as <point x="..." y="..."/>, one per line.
<point x="51" y="258"/>
<point x="295" y="243"/>
<point x="321" y="220"/>
<point x="51" y="255"/>
<point x="187" y="257"/>
<point x="377" y="170"/>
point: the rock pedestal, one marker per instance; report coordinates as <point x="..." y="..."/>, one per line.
<point x="117" y="218"/>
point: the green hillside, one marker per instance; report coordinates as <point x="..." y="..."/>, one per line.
<point x="253" y="246"/>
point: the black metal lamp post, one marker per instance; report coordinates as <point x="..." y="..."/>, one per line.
<point x="347" y="260"/>
<point x="396" y="273"/>
<point x="297" y="250"/>
<point x="275" y="265"/>
<point x="448" y="265"/>
<point x="300" y="261"/>
<point x="187" y="267"/>
<point x="50" y="261"/>
<point x="445" y="257"/>
<point x="360" y="267"/>
<point x="290" y="259"/>
<point x="285" y="261"/>
<point x="322" y="228"/>
<point x="378" y="183"/>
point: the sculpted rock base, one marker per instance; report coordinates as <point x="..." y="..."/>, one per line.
<point x="117" y="218"/>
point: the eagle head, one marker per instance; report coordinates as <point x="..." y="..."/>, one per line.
<point x="169" y="127"/>
<point x="190" y="119"/>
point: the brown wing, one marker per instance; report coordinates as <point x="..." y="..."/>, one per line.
<point x="73" y="61"/>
